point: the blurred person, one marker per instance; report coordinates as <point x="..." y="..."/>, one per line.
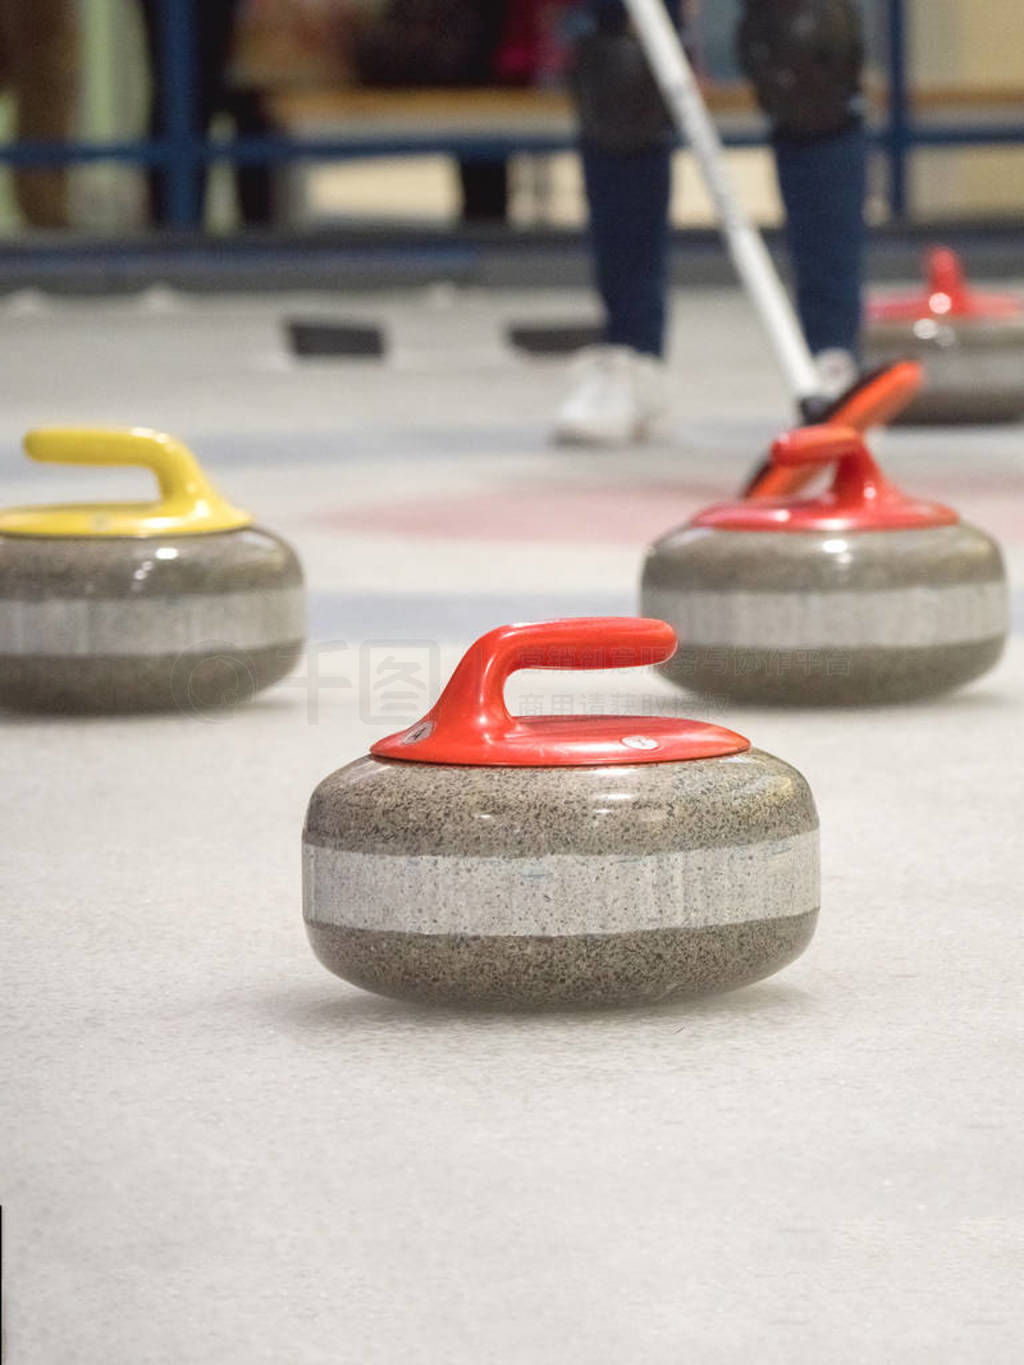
<point x="416" y="43"/>
<point x="213" y="30"/>
<point x="804" y="58"/>
<point x="484" y="181"/>
<point x="38" y="61"/>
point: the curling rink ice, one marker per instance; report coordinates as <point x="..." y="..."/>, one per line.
<point x="215" y="1152"/>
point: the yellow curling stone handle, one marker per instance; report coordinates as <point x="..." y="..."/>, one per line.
<point x="188" y="503"/>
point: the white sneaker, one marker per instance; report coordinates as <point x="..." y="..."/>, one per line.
<point x="837" y="371"/>
<point x="618" y="396"/>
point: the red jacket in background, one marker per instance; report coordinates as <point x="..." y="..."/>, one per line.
<point x="532" y="51"/>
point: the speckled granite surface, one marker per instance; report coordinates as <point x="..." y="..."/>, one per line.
<point x="974" y="371"/>
<point x="832" y="677"/>
<point x="380" y="806"/>
<point x="164" y="623"/>
<point x="620" y="884"/>
<point x="585" y="971"/>
<point x="820" y="618"/>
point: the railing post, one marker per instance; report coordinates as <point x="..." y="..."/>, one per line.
<point x="178" y="99"/>
<point x="900" y="134"/>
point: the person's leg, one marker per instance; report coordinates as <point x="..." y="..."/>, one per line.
<point x="212" y="30"/>
<point x="245" y="106"/>
<point x="484" y="188"/>
<point x="156" y="191"/>
<point x="823" y="187"/>
<point x="255" y="182"/>
<point x="626" y="141"/>
<point x="626" y="148"/>
<point x="805" y="58"/>
<point x="484" y="185"/>
<point x="158" y="179"/>
<point x="41" y="45"/>
<point x="628" y="197"/>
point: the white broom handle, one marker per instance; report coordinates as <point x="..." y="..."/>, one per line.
<point x="750" y="256"/>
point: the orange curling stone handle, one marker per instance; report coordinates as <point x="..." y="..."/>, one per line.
<point x="822" y="445"/>
<point x="879" y="397"/>
<point x="872" y="402"/>
<point x="471" y="724"/>
<point x="861" y="498"/>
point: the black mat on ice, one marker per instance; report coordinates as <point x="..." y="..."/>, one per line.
<point x="319" y="338"/>
<point x="556" y="338"/>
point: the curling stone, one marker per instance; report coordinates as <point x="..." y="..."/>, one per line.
<point x="176" y="604"/>
<point x="481" y="858"/>
<point x="861" y="594"/>
<point x="971" y="345"/>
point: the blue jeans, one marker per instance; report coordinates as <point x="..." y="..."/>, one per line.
<point x="822" y="181"/>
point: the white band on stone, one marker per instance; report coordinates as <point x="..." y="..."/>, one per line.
<point x="79" y="627"/>
<point x="887" y="618"/>
<point x="561" y="893"/>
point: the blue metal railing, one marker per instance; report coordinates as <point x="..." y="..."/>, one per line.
<point x="183" y="150"/>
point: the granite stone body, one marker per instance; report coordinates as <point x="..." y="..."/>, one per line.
<point x="568" y="886"/>
<point x="157" y="623"/>
<point x="974" y="369"/>
<point x="828" y="617"/>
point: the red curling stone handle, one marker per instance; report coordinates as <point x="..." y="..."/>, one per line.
<point x="470" y="722"/>
<point x="946" y="277"/>
<point x="475" y="697"/>
<point x="578" y="642"/>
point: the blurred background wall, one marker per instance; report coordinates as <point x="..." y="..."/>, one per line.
<point x="966" y="62"/>
<point x="976" y="46"/>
